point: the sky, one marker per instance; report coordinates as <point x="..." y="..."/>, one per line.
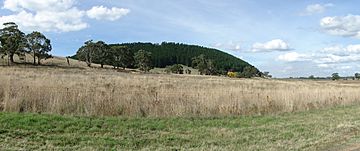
<point x="288" y="38"/>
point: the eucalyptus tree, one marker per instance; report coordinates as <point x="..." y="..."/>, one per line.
<point x="39" y="46"/>
<point x="335" y="76"/>
<point x="101" y="53"/>
<point x="204" y="65"/>
<point x="85" y="52"/>
<point x="94" y="52"/>
<point x="121" y="56"/>
<point x="13" y="40"/>
<point x="143" y="60"/>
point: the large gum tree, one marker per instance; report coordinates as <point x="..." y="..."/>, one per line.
<point x="13" y="41"/>
<point x="39" y="46"/>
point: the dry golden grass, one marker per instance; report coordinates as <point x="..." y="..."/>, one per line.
<point x="106" y="92"/>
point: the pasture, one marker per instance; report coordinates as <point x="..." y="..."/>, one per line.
<point x="106" y="92"/>
<point x="57" y="107"/>
<point x="330" y="129"/>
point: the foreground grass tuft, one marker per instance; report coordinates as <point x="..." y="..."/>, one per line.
<point x="314" y="130"/>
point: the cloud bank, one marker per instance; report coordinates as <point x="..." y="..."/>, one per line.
<point x="345" y="26"/>
<point x="56" y="15"/>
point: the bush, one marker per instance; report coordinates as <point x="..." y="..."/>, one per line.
<point x="232" y="74"/>
<point x="177" y="69"/>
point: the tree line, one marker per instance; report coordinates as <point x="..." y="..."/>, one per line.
<point x="169" y="53"/>
<point x="165" y="55"/>
<point x="15" y="42"/>
<point x="117" y="56"/>
<point x="121" y="56"/>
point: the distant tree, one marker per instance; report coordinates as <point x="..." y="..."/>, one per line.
<point x="266" y="75"/>
<point x="177" y="69"/>
<point x="335" y="76"/>
<point x="311" y="77"/>
<point x="357" y="76"/>
<point x="143" y="60"/>
<point x="39" y="46"/>
<point x="200" y="63"/>
<point x="12" y="40"/>
<point x="121" y="56"/>
<point x="94" y="52"/>
<point x="211" y="70"/>
<point x="101" y="53"/>
<point x="85" y="52"/>
<point x="188" y="71"/>
<point x="204" y="65"/>
<point x="248" y="72"/>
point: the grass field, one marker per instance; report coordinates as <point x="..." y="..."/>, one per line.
<point x="328" y="129"/>
<point x="107" y="92"/>
<point x="61" y="107"/>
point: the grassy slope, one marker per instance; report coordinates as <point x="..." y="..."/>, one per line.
<point x="61" y="62"/>
<point x="313" y="130"/>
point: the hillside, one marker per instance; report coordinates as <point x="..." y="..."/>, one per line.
<point x="174" y="53"/>
<point x="61" y="62"/>
<point x="55" y="61"/>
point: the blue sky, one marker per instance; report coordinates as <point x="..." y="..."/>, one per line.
<point x="284" y="37"/>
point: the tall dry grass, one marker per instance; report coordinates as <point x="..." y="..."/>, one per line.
<point x="109" y="93"/>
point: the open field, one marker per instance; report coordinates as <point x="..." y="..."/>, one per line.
<point x="330" y="129"/>
<point x="105" y="92"/>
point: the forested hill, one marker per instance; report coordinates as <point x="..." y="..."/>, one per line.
<point x="175" y="53"/>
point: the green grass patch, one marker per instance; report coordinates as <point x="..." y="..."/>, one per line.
<point x="313" y="130"/>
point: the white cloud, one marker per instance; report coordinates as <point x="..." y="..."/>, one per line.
<point x="273" y="45"/>
<point x="345" y="67"/>
<point x="346" y="26"/>
<point x="234" y="46"/>
<point x="66" y="21"/>
<point x="49" y="15"/>
<point x="101" y="12"/>
<point x="36" y="5"/>
<point x="353" y="48"/>
<point x="333" y="62"/>
<point x="341" y="50"/>
<point x="335" y="59"/>
<point x="293" y="57"/>
<point x="324" y="65"/>
<point x="316" y="9"/>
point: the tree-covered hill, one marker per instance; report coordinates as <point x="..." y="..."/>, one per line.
<point x="166" y="53"/>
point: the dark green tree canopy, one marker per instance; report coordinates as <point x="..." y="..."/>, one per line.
<point x="121" y="57"/>
<point x="13" y="40"/>
<point x="94" y="52"/>
<point x="335" y="76"/>
<point x="249" y="71"/>
<point x="204" y="65"/>
<point x="39" y="46"/>
<point x="167" y="53"/>
<point x="177" y="69"/>
<point x="143" y="60"/>
<point x="357" y="76"/>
